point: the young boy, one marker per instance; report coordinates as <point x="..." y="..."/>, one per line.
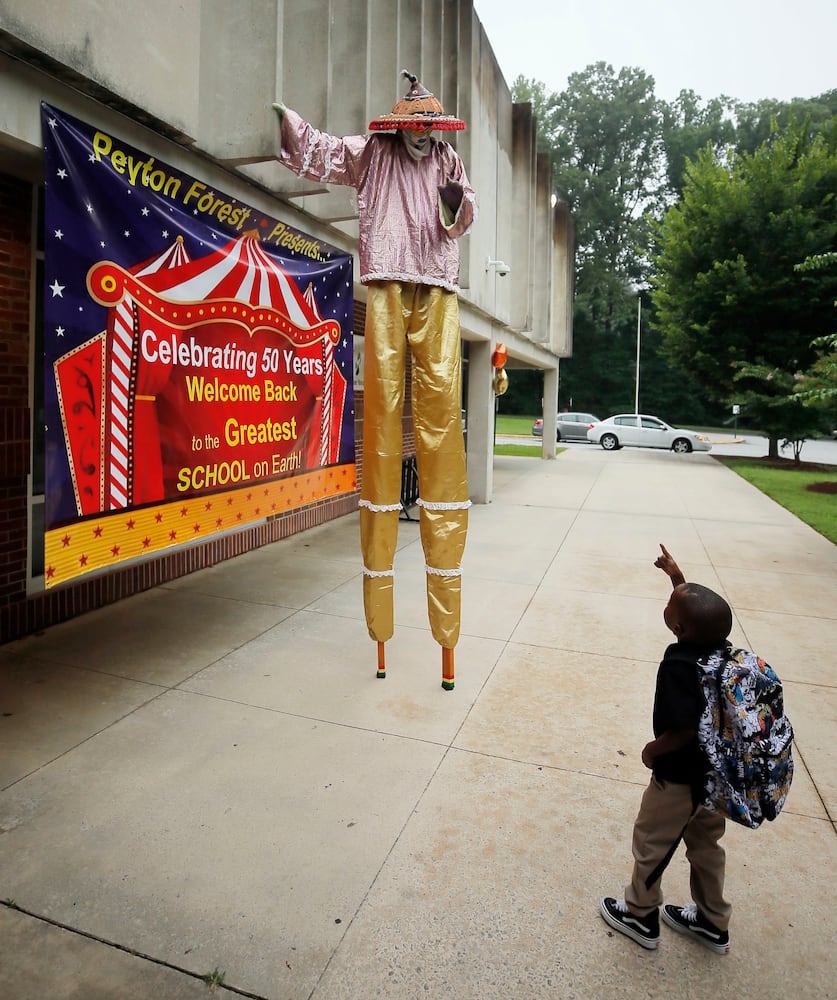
<point x="700" y="620"/>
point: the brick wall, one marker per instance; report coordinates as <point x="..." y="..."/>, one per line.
<point x="15" y="274"/>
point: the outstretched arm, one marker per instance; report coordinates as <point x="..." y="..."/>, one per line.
<point x="317" y="155"/>
<point x="666" y="563"/>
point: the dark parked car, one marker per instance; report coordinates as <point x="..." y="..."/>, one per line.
<point x="571" y="426"/>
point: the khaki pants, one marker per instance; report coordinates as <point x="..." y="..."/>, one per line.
<point x="666" y="815"/>
<point x="426" y="318"/>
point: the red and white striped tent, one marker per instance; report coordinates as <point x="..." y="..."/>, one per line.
<point x="142" y="435"/>
<point x="91" y="426"/>
<point x="241" y="271"/>
<point x="126" y="421"/>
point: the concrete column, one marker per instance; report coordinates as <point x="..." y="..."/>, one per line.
<point x="524" y="153"/>
<point x="563" y="259"/>
<point x="550" y="411"/>
<point x="480" y="422"/>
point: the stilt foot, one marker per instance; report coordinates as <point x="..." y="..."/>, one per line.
<point x="447" y="668"/>
<point x="382" y="665"/>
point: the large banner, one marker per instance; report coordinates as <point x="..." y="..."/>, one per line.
<point x="198" y="357"/>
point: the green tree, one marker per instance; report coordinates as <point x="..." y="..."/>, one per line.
<point x="689" y="125"/>
<point x="534" y="92"/>
<point x="603" y="132"/>
<point x="725" y="287"/>
<point x="768" y="401"/>
<point x="524" y="394"/>
<point x="604" y="135"/>
<point x="620" y="157"/>
<point x="756" y="122"/>
<point x="818" y="386"/>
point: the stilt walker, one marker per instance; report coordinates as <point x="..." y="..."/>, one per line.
<point x="414" y="202"/>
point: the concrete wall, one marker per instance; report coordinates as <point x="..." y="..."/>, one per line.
<point x="119" y="46"/>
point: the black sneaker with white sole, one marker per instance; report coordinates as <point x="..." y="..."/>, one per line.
<point x="644" y="930"/>
<point x="689" y="920"/>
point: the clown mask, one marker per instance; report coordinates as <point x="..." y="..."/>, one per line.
<point x="417" y="140"/>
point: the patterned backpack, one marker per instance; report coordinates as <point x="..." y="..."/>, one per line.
<point x="746" y="737"/>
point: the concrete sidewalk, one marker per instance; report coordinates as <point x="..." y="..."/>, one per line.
<point x="209" y="778"/>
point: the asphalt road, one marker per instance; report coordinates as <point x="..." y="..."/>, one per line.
<point x="822" y="451"/>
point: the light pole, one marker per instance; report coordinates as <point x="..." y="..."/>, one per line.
<point x="638" y="322"/>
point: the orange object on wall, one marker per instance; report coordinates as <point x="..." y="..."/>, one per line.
<point x="500" y="356"/>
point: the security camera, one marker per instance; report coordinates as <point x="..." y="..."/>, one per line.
<point x="500" y="266"/>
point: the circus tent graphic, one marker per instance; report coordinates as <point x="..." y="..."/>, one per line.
<point x="92" y="418"/>
<point x="182" y="357"/>
<point x="203" y="303"/>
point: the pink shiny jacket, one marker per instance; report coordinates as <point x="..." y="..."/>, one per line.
<point x="406" y="232"/>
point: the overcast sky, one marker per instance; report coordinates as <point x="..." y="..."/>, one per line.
<point x="745" y="49"/>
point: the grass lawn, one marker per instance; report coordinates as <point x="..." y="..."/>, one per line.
<point x="514" y="425"/>
<point x="789" y="486"/>
<point x="526" y="450"/>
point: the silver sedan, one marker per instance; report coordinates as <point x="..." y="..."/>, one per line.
<point x="569" y="426"/>
<point x="643" y="431"/>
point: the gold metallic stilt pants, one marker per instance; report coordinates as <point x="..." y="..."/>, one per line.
<point x="426" y="318"/>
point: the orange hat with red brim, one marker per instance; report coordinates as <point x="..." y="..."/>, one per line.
<point x="417" y="109"/>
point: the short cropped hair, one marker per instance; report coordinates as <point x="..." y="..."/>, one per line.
<point x="708" y="613"/>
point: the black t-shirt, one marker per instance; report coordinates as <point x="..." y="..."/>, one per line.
<point x="678" y="704"/>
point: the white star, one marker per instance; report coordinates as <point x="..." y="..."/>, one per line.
<point x="62" y="173"/>
<point x="145" y="210"/>
<point x="102" y="244"/>
<point x="52" y="123"/>
<point x="165" y="234"/>
<point x="59" y="235"/>
<point x="129" y="191"/>
<point x="57" y="289"/>
<point x="89" y="208"/>
<point x="60" y="331"/>
<point x="127" y="232"/>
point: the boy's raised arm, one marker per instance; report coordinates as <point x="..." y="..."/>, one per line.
<point x="666" y="563"/>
